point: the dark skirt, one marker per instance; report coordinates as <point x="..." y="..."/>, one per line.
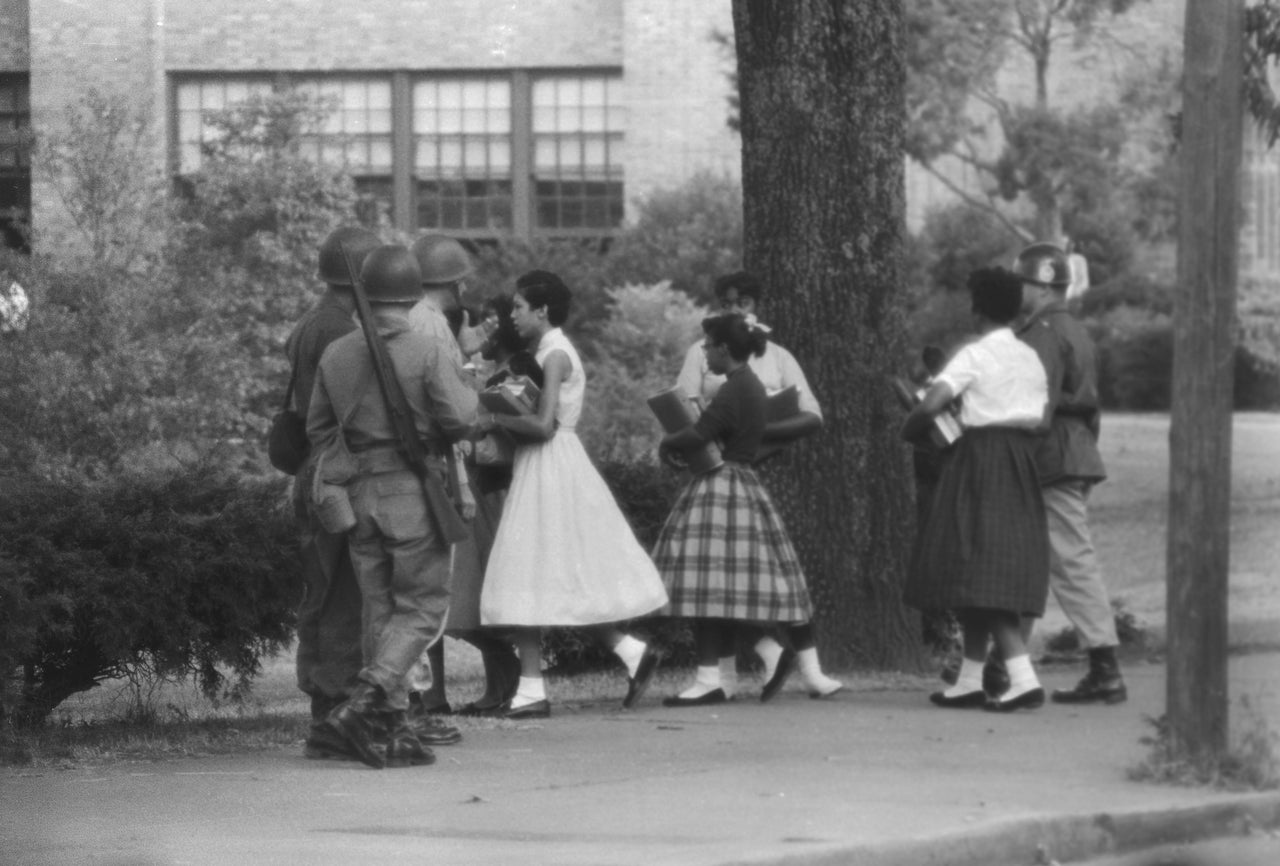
<point x="724" y="553"/>
<point x="986" y="542"/>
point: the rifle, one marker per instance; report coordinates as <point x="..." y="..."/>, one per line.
<point x="449" y="524"/>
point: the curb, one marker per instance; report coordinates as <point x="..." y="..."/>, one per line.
<point x="1049" y="839"/>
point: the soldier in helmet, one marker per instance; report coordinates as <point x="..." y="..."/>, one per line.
<point x="401" y="562"/>
<point x="1069" y="465"/>
<point x="329" y="616"/>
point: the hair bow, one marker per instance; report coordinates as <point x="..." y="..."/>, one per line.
<point x="755" y="324"/>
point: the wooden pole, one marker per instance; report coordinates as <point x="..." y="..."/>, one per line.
<point x="1203" y="359"/>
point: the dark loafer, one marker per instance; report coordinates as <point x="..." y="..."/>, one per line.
<point x="536" y="710"/>
<point x="969" y="700"/>
<point x="639" y="684"/>
<point x="1026" y="701"/>
<point x="715" y="696"/>
<point x="477" y="711"/>
<point x="786" y="664"/>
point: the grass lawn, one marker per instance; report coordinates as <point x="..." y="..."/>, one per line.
<point x="120" y="720"/>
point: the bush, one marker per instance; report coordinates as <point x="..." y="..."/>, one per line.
<point x="191" y="573"/>
<point x="960" y="239"/>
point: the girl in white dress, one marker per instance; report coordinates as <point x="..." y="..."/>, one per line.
<point x="564" y="554"/>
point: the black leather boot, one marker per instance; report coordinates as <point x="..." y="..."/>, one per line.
<point x="404" y="748"/>
<point x="1102" y="684"/>
<point x="429" y="730"/>
<point x="360" y="721"/>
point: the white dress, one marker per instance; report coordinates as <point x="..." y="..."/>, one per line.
<point x="564" y="554"/>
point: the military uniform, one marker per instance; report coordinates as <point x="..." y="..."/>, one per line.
<point x="401" y="562"/>
<point x="329" y="627"/>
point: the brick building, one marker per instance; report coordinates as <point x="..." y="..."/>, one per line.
<point x="479" y="117"/>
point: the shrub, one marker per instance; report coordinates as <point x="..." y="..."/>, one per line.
<point x="959" y="239"/>
<point x="640" y="349"/>
<point x="189" y="573"/>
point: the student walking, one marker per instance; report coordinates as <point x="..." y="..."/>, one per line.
<point x="564" y="554"/>
<point x="723" y="552"/>
<point x="984" y="552"/>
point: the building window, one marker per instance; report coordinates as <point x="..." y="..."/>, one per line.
<point x="462" y="154"/>
<point x="578" y="124"/>
<point x="195" y="101"/>
<point x="15" y="159"/>
<point x="480" y="155"/>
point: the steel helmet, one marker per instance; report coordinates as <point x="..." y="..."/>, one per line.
<point x="442" y="260"/>
<point x="390" y="276"/>
<point x="358" y="243"/>
<point x="1043" y="264"/>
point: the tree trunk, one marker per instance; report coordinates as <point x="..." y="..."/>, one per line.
<point x="822" y="112"/>
<point x="1203" y="355"/>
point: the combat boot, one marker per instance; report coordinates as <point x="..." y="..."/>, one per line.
<point x="1102" y="684"/>
<point x="429" y="730"/>
<point x="326" y="744"/>
<point x="359" y="721"/>
<point x="404" y="749"/>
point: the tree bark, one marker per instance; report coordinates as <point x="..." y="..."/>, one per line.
<point x="822" y="112"/>
<point x="1203" y="353"/>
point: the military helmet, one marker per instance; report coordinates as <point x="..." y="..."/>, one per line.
<point x="357" y="241"/>
<point x="442" y="260"/>
<point x="1043" y="264"/>
<point x="390" y="275"/>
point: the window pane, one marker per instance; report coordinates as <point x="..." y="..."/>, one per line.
<point x="578" y="138"/>
<point x="474" y="155"/>
<point x="499" y="157"/>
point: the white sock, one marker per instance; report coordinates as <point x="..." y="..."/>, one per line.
<point x="630" y="651"/>
<point x="707" y="680"/>
<point x="530" y="691"/>
<point x="769" y="651"/>
<point x="1022" y="676"/>
<point x="811" y="673"/>
<point x="729" y="675"/>
<point x="969" y="679"/>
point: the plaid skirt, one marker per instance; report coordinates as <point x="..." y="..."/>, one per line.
<point x="985" y="543"/>
<point x="724" y="553"/>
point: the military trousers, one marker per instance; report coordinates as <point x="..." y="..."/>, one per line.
<point x="1074" y="576"/>
<point x="329" y="630"/>
<point x="402" y="568"/>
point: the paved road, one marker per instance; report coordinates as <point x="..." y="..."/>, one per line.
<point x="875" y="777"/>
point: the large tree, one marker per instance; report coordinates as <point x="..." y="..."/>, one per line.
<point x="821" y="95"/>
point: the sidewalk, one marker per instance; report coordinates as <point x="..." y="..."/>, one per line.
<point x="874" y="777"/>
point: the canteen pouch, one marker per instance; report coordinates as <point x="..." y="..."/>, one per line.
<point x="287" y="444"/>
<point x="333" y="508"/>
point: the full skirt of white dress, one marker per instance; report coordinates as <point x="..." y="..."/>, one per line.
<point x="564" y="553"/>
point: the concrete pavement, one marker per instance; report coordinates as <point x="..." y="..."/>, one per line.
<point x="876" y="777"/>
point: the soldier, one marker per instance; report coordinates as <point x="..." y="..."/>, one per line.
<point x="329" y="616"/>
<point x="400" y="556"/>
<point x="445" y="265"/>
<point x="1069" y="465"/>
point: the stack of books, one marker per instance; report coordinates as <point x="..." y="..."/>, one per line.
<point x="515" y="396"/>
<point x="945" y="429"/>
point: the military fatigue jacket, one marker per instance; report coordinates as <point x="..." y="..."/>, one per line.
<point x="435" y="386"/>
<point x="1070" y="450"/>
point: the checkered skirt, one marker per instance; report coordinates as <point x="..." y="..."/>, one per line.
<point x="724" y="553"/>
<point x="985" y="543"/>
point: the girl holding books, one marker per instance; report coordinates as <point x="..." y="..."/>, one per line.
<point x="984" y="549"/>
<point x="564" y="554"/>
<point x="723" y="552"/>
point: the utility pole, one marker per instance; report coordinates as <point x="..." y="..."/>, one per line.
<point x="1203" y="358"/>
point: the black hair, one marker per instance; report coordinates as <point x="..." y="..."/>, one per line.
<point x="545" y="289"/>
<point x="747" y="285"/>
<point x="997" y="294"/>
<point x="736" y="335"/>
<point x="505" y="337"/>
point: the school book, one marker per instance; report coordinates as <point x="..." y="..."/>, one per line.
<point x="675" y="411"/>
<point x="945" y="428"/>
<point x="515" y="396"/>
<point x="779" y="406"/>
